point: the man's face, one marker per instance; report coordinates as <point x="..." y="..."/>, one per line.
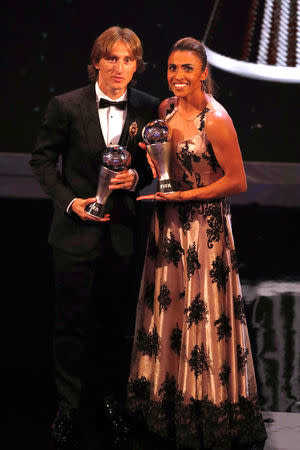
<point x="116" y="70"/>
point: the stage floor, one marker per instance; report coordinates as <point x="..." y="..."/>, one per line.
<point x="283" y="430"/>
<point x="283" y="434"/>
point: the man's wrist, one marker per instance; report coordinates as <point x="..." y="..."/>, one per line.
<point x="69" y="207"/>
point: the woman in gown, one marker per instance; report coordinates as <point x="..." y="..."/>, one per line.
<point x="192" y="376"/>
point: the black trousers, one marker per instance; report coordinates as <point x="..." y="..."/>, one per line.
<point x="93" y="330"/>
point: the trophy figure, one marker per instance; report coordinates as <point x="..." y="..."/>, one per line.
<point x="156" y="135"/>
<point x="115" y="159"/>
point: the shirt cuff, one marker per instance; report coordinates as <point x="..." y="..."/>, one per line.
<point x="133" y="187"/>
<point x="69" y="209"/>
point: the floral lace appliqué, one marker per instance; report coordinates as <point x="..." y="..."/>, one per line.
<point x="196" y="311"/>
<point x="242" y="356"/>
<point x="215" y="223"/>
<point x="175" y="339"/>
<point x="186" y="156"/>
<point x="172" y="250"/>
<point x="186" y="211"/>
<point x="148" y="343"/>
<point x="210" y="157"/>
<point x="192" y="260"/>
<point x="223" y="327"/>
<point x="198" y="180"/>
<point x="239" y="311"/>
<point x="219" y="273"/>
<point x="224" y="374"/>
<point x="199" y="361"/>
<point x="201" y="118"/>
<point x="139" y="396"/>
<point x="170" y="109"/>
<point x="139" y="388"/>
<point x="220" y="425"/>
<point x="164" y="298"/>
<point x="185" y="179"/>
<point x="169" y="392"/>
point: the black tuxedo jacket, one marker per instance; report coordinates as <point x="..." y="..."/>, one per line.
<point x="71" y="131"/>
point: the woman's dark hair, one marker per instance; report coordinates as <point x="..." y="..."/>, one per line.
<point x="105" y="42"/>
<point x="193" y="45"/>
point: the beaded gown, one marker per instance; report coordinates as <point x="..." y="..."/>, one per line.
<point x="192" y="376"/>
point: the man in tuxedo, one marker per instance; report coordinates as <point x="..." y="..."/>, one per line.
<point x="93" y="257"/>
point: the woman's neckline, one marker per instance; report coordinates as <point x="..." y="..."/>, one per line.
<point x="196" y="115"/>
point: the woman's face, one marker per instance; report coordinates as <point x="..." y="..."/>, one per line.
<point x="185" y="73"/>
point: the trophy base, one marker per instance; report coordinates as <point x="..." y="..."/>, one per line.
<point x="166" y="186"/>
<point x="95" y="210"/>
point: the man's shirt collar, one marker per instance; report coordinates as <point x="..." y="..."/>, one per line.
<point x="101" y="94"/>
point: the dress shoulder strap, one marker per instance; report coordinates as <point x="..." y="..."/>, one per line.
<point x="201" y="118"/>
<point x="170" y="107"/>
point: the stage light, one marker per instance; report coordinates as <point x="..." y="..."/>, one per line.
<point x="257" y="39"/>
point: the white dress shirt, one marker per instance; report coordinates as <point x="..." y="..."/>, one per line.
<point x="112" y="119"/>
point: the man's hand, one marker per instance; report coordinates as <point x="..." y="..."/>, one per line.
<point x="79" y="205"/>
<point x="123" y="180"/>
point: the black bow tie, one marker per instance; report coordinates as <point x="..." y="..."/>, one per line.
<point x="107" y="103"/>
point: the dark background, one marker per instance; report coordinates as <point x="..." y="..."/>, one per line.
<point x="45" y="52"/>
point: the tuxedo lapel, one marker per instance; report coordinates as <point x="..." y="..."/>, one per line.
<point x="90" y="117"/>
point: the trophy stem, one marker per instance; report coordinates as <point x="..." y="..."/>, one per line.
<point x="96" y="209"/>
<point x="160" y="154"/>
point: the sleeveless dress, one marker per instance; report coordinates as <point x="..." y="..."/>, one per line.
<point x="192" y="376"/>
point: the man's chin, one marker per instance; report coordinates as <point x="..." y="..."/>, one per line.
<point x="119" y="86"/>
